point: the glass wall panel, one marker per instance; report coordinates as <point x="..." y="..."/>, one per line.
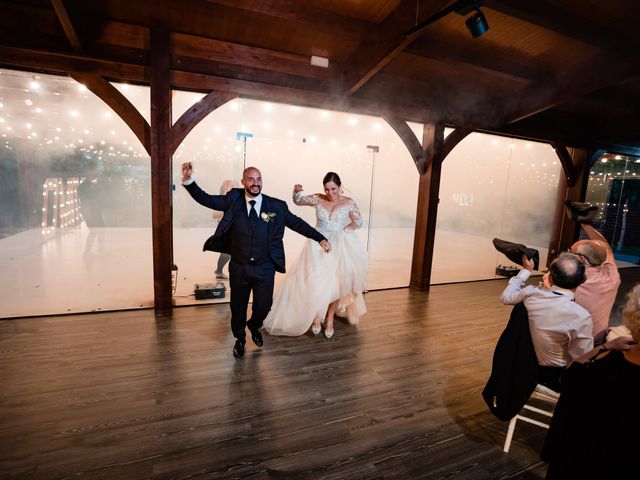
<point x="614" y="186"/>
<point x="74" y="188"/>
<point x="492" y="187"/>
<point x="291" y="144"/>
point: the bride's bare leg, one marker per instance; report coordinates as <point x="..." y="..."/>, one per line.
<point x="331" y="312"/>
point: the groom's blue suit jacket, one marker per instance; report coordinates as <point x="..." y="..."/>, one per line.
<point x="238" y="242"/>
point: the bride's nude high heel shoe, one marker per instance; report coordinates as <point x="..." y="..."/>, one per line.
<point x="328" y="332"/>
<point x="316" y="328"/>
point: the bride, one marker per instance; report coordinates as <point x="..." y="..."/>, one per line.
<point x="318" y="285"/>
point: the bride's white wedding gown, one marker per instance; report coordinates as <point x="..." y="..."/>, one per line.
<point x="316" y="279"/>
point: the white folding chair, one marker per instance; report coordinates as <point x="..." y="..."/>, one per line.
<point x="542" y="393"/>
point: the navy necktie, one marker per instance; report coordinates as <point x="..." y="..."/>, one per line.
<point x="253" y="215"/>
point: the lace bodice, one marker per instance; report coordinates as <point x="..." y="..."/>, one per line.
<point x="332" y="220"/>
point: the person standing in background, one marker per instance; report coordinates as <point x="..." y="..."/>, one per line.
<point x="598" y="292"/>
<point x="223" y="258"/>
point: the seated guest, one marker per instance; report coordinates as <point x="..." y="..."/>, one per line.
<point x="593" y="431"/>
<point x="598" y="292"/>
<point x="561" y="330"/>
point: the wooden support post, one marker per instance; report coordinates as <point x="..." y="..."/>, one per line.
<point x="427" y="209"/>
<point x="161" y="210"/>
<point x="564" y="231"/>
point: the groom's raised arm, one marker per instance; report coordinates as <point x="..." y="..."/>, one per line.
<point x="215" y="202"/>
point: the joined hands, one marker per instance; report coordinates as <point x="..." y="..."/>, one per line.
<point x="326" y="246"/>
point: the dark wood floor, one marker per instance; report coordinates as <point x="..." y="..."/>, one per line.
<point x="123" y="396"/>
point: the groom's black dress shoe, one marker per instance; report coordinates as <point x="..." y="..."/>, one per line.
<point x="514" y="251"/>
<point x="238" y="349"/>
<point x="581" y="212"/>
<point x="256" y="336"/>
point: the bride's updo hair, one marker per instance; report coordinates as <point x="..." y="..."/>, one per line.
<point x="332" y="177"/>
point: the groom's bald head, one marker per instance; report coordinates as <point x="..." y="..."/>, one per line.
<point x="252" y="181"/>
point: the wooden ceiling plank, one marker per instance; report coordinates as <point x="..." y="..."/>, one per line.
<point x="371" y="57"/>
<point x="25" y="20"/>
<point x="120" y="34"/>
<point x="70" y="29"/>
<point x="319" y="20"/>
<point x="566" y="22"/>
<point x="200" y="14"/>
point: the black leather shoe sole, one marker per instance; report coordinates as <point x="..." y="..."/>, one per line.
<point x="238" y="350"/>
<point x="257" y="338"/>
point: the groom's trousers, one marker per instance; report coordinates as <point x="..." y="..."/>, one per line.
<point x="243" y="280"/>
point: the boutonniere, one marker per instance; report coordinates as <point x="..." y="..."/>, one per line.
<point x="267" y="216"/>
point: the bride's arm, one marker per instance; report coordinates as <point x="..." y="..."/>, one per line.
<point x="299" y="199"/>
<point x="354" y="215"/>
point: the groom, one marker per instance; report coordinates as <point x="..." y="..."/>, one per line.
<point x="251" y="230"/>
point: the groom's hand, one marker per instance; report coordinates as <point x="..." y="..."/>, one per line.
<point x="325" y="245"/>
<point x="187" y="171"/>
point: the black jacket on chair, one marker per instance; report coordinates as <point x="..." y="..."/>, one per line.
<point x="514" y="373"/>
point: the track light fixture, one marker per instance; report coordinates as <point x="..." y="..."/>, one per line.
<point x="477" y="23"/>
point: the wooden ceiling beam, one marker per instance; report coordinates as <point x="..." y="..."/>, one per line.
<point x="440" y="101"/>
<point x="194" y="115"/>
<point x="371" y="57"/>
<point x="626" y="128"/>
<point x="61" y="63"/>
<point x="570" y="173"/>
<point x="605" y="69"/>
<point x="242" y="55"/>
<point x="621" y="95"/>
<point x="71" y="28"/>
<point x="119" y="104"/>
<point x="305" y="98"/>
<point x="258" y="75"/>
<point x="410" y="141"/>
<point x="499" y="62"/>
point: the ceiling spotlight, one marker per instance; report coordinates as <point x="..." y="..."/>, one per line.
<point x="477" y="24"/>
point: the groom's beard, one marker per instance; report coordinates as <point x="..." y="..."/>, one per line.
<point x="253" y="191"/>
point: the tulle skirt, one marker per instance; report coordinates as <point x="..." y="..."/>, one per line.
<point x="317" y="279"/>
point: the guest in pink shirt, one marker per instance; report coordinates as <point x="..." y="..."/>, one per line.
<point x="598" y="293"/>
